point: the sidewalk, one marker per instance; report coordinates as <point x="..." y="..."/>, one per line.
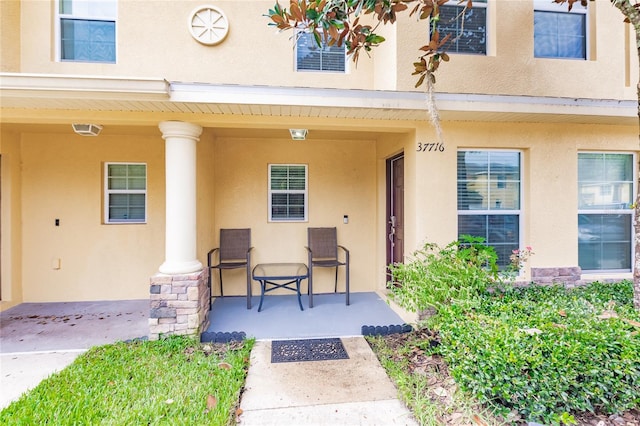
<point x="22" y="371"/>
<point x="354" y="391"/>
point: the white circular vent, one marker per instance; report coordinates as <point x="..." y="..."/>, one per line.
<point x="208" y="25"/>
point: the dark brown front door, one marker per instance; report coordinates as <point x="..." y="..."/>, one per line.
<point x="395" y="209"/>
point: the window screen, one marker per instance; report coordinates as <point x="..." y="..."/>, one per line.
<point x="468" y="33"/>
<point x="605" y="195"/>
<point x="126" y="193"/>
<point x="87" y="30"/>
<point x="489" y="188"/>
<point x="287" y="192"/>
<point x="311" y="57"/>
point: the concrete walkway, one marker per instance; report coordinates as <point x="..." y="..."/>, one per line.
<point x="38" y="340"/>
<point x="22" y="371"/>
<point x="354" y="391"/>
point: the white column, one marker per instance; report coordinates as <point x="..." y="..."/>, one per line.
<point x="180" y="169"/>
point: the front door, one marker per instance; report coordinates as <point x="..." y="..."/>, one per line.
<point x="395" y="209"/>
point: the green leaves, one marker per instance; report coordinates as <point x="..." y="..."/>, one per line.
<point x="436" y="277"/>
<point x="544" y="351"/>
<point x="337" y="22"/>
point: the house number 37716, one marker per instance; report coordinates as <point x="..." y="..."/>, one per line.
<point x="430" y="147"/>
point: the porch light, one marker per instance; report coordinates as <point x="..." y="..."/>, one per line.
<point x="87" y="129"/>
<point x="298" y="134"/>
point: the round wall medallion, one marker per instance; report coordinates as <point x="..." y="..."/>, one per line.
<point x="208" y="25"/>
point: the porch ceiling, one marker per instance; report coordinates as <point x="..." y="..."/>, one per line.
<point x="35" y="98"/>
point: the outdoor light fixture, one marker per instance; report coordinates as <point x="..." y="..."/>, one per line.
<point x="298" y="134"/>
<point x="87" y="129"/>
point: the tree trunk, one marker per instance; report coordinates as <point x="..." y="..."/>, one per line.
<point x="633" y="15"/>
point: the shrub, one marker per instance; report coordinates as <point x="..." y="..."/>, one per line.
<point x="434" y="277"/>
<point x="547" y="351"/>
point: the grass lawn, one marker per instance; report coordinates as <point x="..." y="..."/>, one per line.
<point x="173" y="381"/>
<point x="542" y="354"/>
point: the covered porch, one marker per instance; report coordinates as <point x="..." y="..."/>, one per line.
<point x="281" y="317"/>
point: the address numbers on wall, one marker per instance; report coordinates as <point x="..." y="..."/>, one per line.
<point x="430" y="147"/>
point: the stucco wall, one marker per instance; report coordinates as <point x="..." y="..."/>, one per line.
<point x="254" y="54"/>
<point x="510" y="66"/>
<point x="342" y="181"/>
<point x="549" y="180"/>
<point x="62" y="178"/>
<point x="10" y="35"/>
<point x="11" y="211"/>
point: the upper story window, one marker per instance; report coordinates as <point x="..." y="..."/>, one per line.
<point x="468" y="33"/>
<point x="311" y="57"/>
<point x="489" y="194"/>
<point x="87" y="30"/>
<point x="125" y="198"/>
<point x="288" y="192"/>
<point x="605" y="195"/>
<point x="559" y="33"/>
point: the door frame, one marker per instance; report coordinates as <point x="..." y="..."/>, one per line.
<point x="389" y="205"/>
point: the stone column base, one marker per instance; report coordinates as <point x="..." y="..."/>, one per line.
<point x="179" y="304"/>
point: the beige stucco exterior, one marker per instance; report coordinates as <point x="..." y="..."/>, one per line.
<point x="245" y="94"/>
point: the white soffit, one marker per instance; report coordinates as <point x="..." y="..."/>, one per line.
<point x="63" y="92"/>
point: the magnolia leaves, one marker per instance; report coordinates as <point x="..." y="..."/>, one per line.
<point x="335" y="22"/>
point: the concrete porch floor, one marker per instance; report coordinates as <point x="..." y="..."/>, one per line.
<point x="32" y="327"/>
<point x="281" y="317"/>
<point x="39" y="339"/>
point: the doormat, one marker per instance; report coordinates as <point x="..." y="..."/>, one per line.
<point x="307" y="350"/>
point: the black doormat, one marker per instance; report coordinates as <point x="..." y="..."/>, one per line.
<point x="307" y="350"/>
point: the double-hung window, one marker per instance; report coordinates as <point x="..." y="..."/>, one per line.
<point x="125" y="199"/>
<point x="311" y="57"/>
<point x="489" y="199"/>
<point x="288" y="192"/>
<point x="87" y="30"/>
<point x="558" y="33"/>
<point x="468" y="32"/>
<point x="605" y="195"/>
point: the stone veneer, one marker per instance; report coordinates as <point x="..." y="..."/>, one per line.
<point x="179" y="304"/>
<point x="568" y="276"/>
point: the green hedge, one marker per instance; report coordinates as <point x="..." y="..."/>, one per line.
<point x="547" y="351"/>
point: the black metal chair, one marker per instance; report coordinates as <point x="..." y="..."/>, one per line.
<point x="323" y="253"/>
<point x="234" y="253"/>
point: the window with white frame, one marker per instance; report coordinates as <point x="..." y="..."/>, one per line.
<point x="468" y="32"/>
<point x="605" y="219"/>
<point x="87" y="30"/>
<point x="125" y="198"/>
<point x="288" y="195"/>
<point x="489" y="199"/>
<point x="558" y="32"/>
<point x="311" y="57"/>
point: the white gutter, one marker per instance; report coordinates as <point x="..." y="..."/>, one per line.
<point x="536" y="105"/>
<point x="395" y="100"/>
<point x="296" y="96"/>
<point x="60" y="87"/>
<point x="31" y="84"/>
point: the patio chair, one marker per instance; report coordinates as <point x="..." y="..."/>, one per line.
<point x="234" y="253"/>
<point x="323" y="253"/>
